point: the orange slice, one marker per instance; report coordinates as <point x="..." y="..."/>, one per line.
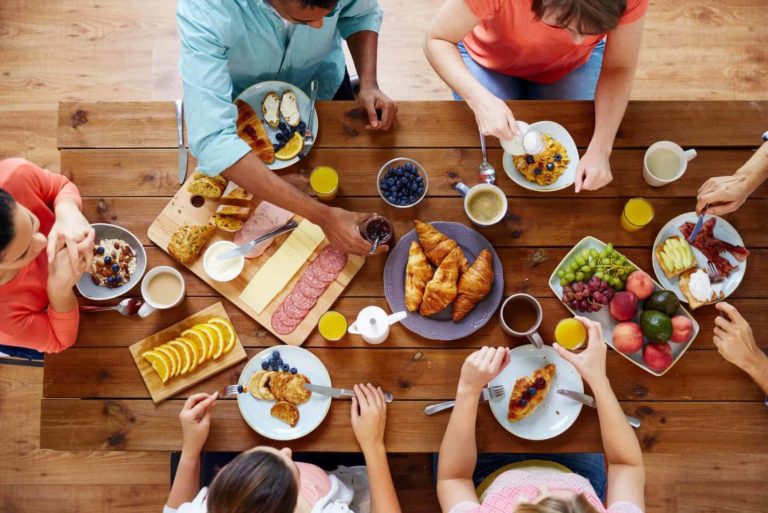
<point x="186" y="355"/>
<point x="210" y="339"/>
<point x="172" y="356"/>
<point x="193" y="350"/>
<point x="159" y="362"/>
<point x="218" y="346"/>
<point x="177" y="357"/>
<point x="229" y="332"/>
<point x="200" y="340"/>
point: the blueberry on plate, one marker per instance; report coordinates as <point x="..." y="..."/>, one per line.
<point x="282" y="126"/>
<point x="412" y="199"/>
<point x="302" y="127"/>
<point x="391" y="181"/>
<point x="100" y="250"/>
<point x="107" y="259"/>
<point x="294" y="370"/>
<point x="265" y="365"/>
<point x="275" y="355"/>
<point x="115" y="268"/>
<point x="280" y="137"/>
<point x="285" y="367"/>
<point x="420" y="180"/>
<point x="276" y="147"/>
<point x="273" y="367"/>
<point x="414" y="187"/>
<point x="529" y="159"/>
<point x="558" y="157"/>
<point x="420" y="191"/>
<point x="550" y="166"/>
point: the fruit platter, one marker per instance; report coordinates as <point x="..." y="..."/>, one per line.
<point x="641" y="320"/>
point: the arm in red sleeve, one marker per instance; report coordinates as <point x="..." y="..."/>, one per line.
<point x="48" y="331"/>
<point x="51" y="187"/>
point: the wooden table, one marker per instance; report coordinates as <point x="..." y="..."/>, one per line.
<point x="123" y="158"/>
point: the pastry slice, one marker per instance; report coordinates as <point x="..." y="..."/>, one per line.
<point x="188" y="241"/>
<point x="436" y="245"/>
<point x="701" y="282"/>
<point x="441" y="289"/>
<point x="418" y="272"/>
<point x="474" y="285"/>
<point x="529" y="392"/>
<point x="289" y="108"/>
<point x="285" y="411"/>
<point x="270" y="109"/>
<point x="252" y="131"/>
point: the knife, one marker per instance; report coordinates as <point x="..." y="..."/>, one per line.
<point x="588" y="400"/>
<point x="180" y="137"/>
<point x="247" y="247"/>
<point x="699" y="224"/>
<point x="339" y="392"/>
<point x="309" y="135"/>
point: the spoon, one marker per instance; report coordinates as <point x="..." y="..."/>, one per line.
<point x="127" y="307"/>
<point x="375" y="245"/>
<point x="485" y="172"/>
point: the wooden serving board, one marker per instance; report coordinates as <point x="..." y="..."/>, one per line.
<point x="180" y="211"/>
<point x="161" y="391"/>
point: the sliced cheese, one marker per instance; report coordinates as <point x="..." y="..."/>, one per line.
<point x="281" y="267"/>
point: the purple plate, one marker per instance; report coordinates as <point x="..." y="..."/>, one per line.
<point x="440" y="326"/>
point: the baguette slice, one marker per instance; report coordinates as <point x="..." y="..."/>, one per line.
<point x="188" y="241"/>
<point x="270" y="109"/>
<point x="235" y="195"/>
<point x="219" y="180"/>
<point x="671" y="273"/>
<point x="205" y="186"/>
<point x="241" y="213"/>
<point x="694" y="303"/>
<point x="226" y="223"/>
<point x="289" y="108"/>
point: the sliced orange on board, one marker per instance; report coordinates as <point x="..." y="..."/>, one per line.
<point x="200" y="340"/>
<point x="171" y="357"/>
<point x="159" y="362"/>
<point x="195" y="352"/>
<point x="229" y="332"/>
<point x="185" y="353"/>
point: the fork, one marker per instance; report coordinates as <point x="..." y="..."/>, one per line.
<point x="231" y="390"/>
<point x="488" y="393"/>
<point x="715" y="276"/>
<point x="309" y="133"/>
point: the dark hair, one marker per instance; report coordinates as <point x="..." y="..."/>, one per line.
<point x="318" y="4"/>
<point x="7" y="210"/>
<point x="254" y="482"/>
<point x="588" y="16"/>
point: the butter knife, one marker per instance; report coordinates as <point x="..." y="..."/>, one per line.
<point x="699" y="224"/>
<point x="588" y="400"/>
<point x="247" y="247"/>
<point x="180" y="138"/>
<point x="339" y="392"/>
<point x="309" y="134"/>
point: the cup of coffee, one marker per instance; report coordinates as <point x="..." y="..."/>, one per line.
<point x="484" y="204"/>
<point x="521" y="316"/>
<point x="161" y="288"/>
<point x="665" y="162"/>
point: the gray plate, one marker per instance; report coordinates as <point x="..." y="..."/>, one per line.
<point x="90" y="290"/>
<point x="440" y="326"/>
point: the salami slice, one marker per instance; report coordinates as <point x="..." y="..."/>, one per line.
<point x="284" y="319"/>
<point x="310" y="279"/>
<point x="320" y="273"/>
<point x="308" y="290"/>
<point x="280" y="327"/>
<point x="301" y="301"/>
<point x="332" y="260"/>
<point x="292" y="311"/>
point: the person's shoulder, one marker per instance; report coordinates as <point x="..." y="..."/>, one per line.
<point x="216" y="15"/>
<point x="17" y="172"/>
<point x="634" y="11"/>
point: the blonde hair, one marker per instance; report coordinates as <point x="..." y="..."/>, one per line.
<point x="578" y="504"/>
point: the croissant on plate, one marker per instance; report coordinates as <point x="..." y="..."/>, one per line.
<point x="437" y="245"/>
<point x="474" y="285"/>
<point x="252" y="131"/>
<point x="417" y="273"/>
<point x="441" y="289"/>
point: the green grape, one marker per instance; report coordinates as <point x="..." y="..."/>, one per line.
<point x="579" y="276"/>
<point x="619" y="285"/>
<point x="573" y="266"/>
<point x="606" y="261"/>
<point x="563" y="282"/>
<point x="615" y="282"/>
<point x="561" y="273"/>
<point x="609" y="247"/>
<point x="585" y="269"/>
<point x="585" y="254"/>
<point x="569" y="277"/>
<point x="600" y="275"/>
<point x="593" y="253"/>
<point x="580" y="260"/>
<point x="621" y="260"/>
<point x="603" y="254"/>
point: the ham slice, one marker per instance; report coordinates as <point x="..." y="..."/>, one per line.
<point x="265" y="218"/>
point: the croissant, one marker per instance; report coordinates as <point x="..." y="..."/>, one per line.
<point x="417" y="273"/>
<point x="441" y="289"/>
<point x="252" y="131"/>
<point x="436" y="245"/>
<point x="474" y="285"/>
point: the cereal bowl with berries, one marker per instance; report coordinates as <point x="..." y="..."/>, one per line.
<point x="119" y="262"/>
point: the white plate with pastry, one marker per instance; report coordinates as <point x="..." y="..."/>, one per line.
<point x="278" y="104"/>
<point x="544" y="414"/>
<point x="275" y="403"/>
<point x="675" y="260"/>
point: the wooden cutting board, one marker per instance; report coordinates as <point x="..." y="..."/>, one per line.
<point x="161" y="391"/>
<point x="180" y="211"/>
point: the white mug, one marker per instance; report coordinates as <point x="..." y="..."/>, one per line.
<point x="469" y="193"/>
<point x="150" y="306"/>
<point x="683" y="156"/>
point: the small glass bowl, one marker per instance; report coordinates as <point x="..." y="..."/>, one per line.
<point x="397" y="162"/>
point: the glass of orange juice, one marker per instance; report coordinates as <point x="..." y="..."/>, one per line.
<point x="570" y="333"/>
<point x="332" y="326"/>
<point x="637" y="213"/>
<point x="324" y="180"/>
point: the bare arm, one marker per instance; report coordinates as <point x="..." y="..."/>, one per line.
<point x="452" y="22"/>
<point x="724" y="194"/>
<point x="186" y="484"/>
<point x="736" y="343"/>
<point x="363" y="46"/>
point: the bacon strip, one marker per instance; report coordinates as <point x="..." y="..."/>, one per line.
<point x="712" y="247"/>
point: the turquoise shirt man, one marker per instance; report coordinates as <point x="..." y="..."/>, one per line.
<point x="230" y="45"/>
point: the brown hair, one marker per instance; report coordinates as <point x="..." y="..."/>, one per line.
<point x="588" y="16"/>
<point x="254" y="482"/>
<point x="579" y="504"/>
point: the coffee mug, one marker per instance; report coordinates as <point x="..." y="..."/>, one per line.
<point x="469" y="193"/>
<point x="674" y="169"/>
<point x="151" y="304"/>
<point x="531" y="333"/>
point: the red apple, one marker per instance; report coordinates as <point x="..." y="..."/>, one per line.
<point x="627" y="337"/>
<point x="658" y="356"/>
<point x="682" y="329"/>
<point x="623" y="306"/>
<point x="640" y="284"/>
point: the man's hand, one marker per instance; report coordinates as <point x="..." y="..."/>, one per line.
<point x="369" y="417"/>
<point x="341" y="228"/>
<point x="494" y="118"/>
<point x="594" y="171"/>
<point x="73" y="231"/>
<point x="481" y="367"/>
<point x="195" y="419"/>
<point x="371" y="98"/>
<point x="591" y="362"/>
<point x="734" y="338"/>
<point x="723" y="194"/>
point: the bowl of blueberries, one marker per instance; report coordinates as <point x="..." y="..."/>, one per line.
<point x="402" y="182"/>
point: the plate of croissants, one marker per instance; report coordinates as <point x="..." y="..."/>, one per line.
<point x="447" y="277"/>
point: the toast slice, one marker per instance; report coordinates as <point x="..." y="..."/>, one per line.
<point x="206" y="186"/>
<point x="693" y="303"/>
<point x="241" y="213"/>
<point x="521" y="402"/>
<point x="295" y="391"/>
<point x="226" y="223"/>
<point x="289" y="108"/>
<point x="270" y="109"/>
<point x="188" y="241"/>
<point x="236" y="195"/>
<point x="285" y="411"/>
<point x="668" y="272"/>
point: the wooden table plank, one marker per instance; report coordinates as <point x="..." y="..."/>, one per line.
<point x="410" y="374"/>
<point x="125" y="331"/>
<point x="432" y="124"/>
<point x="153" y="172"/>
<point x="530" y="221"/>
<point x="671" y="427"/>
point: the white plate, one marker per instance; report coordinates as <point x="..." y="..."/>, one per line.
<point x="556" y="413"/>
<point x="568" y="178"/>
<point x="254" y="96"/>
<point x="723" y="231"/>
<point x="608" y="322"/>
<point x="311" y="414"/>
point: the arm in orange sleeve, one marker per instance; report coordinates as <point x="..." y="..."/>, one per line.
<point x="52" y="187"/>
<point x="47" y="331"/>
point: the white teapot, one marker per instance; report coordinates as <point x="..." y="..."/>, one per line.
<point x="373" y="324"/>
